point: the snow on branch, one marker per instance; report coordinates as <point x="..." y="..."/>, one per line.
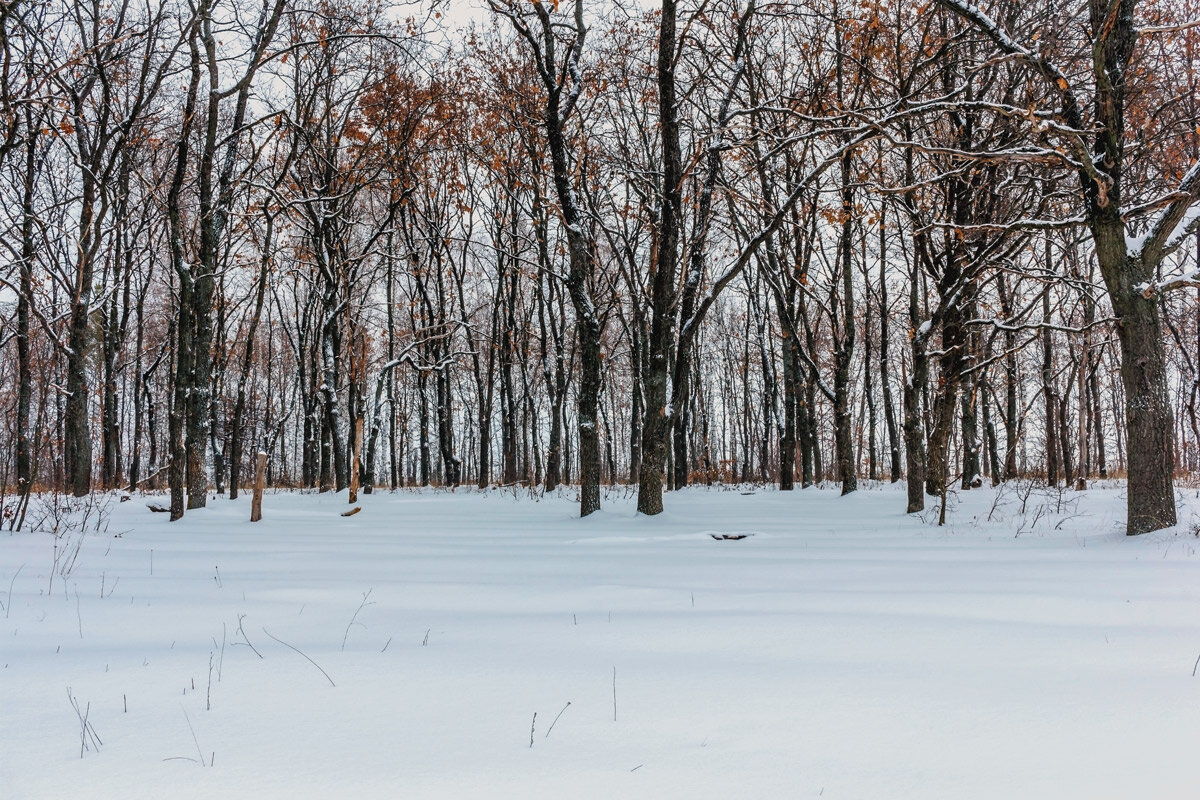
<point x="1014" y="225"/>
<point x="992" y="29"/>
<point x="1049" y="72"/>
<point x="1173" y="223"/>
<point x="1183" y="26"/>
<point x="1150" y="288"/>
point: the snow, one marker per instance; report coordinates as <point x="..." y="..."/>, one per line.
<point x="841" y="650"/>
<point x="1185" y="225"/>
<point x="1188" y="279"/>
<point x="1134" y="245"/>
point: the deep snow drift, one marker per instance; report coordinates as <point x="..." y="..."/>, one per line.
<point x="843" y="650"/>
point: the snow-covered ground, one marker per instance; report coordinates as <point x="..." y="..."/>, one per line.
<point x="842" y="650"/>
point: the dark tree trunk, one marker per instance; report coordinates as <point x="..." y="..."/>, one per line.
<point x="843" y="419"/>
<point x="24" y="300"/>
<point x="580" y="243"/>
<point x="989" y="431"/>
<point x="914" y="388"/>
<point x="237" y="434"/>
<point x="1050" y="403"/>
<point x="637" y="403"/>
<point x="1011" y="412"/>
<point x="656" y="426"/>
<point x="1149" y="420"/>
<point x="77" y="438"/>
<point x="969" y="415"/>
<point x="177" y="418"/>
<point x="423" y="428"/>
<point x="885" y="362"/>
<point x="451" y="464"/>
<point x="791" y="401"/>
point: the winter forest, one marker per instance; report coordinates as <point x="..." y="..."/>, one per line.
<point x="742" y="398"/>
<point x="600" y="243"/>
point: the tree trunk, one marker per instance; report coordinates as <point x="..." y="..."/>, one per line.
<point x="843" y="419"/>
<point x="885" y="364"/>
<point x="1049" y="401"/>
<point x="24" y="302"/>
<point x="260" y="476"/>
<point x="656" y="426"/>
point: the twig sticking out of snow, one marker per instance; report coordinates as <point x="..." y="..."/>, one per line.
<point x="8" y="606"/>
<point x="88" y="740"/>
<point x="195" y="740"/>
<point x="245" y="638"/>
<point x="221" y="660"/>
<point x="532" y="725"/>
<point x="306" y="658"/>
<point x="555" y="721"/>
<point x="366" y="596"/>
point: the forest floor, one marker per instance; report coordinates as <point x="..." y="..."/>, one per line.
<point x="842" y="649"/>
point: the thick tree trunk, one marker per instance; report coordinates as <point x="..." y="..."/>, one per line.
<point x="1149" y="419"/>
<point x="914" y="435"/>
<point x="333" y="456"/>
<point x="937" y="475"/>
<point x="914" y="388"/>
<point x="182" y="324"/>
<point x="77" y="438"/>
<point x="589" y="397"/>
<point x="657" y="424"/>
<point x="843" y="419"/>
